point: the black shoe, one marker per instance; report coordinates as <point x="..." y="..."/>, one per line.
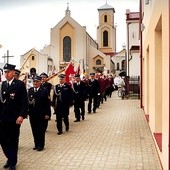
<point x="67" y="129"/>
<point x="89" y="111"/>
<point x="59" y="133"/>
<point x="6" y="166"/>
<point x="94" y="111"/>
<point x="82" y="117"/>
<point x="34" y="148"/>
<point x="40" y="148"/>
<point x="77" y="121"/>
<point x="12" y="168"/>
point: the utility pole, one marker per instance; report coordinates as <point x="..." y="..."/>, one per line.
<point x="7" y="56"/>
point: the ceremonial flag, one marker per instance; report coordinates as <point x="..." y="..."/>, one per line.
<point x="69" y="72"/>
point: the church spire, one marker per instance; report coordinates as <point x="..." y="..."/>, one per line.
<point x="67" y="12"/>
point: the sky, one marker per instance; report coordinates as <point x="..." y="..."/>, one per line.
<point x="26" y="24"/>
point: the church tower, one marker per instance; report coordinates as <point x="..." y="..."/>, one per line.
<point x="106" y="31"/>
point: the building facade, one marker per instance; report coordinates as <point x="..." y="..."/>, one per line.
<point x="155" y="72"/>
<point x="132" y="55"/>
<point x="69" y="41"/>
<point x="119" y="63"/>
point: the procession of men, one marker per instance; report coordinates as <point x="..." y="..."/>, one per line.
<point x="18" y="102"/>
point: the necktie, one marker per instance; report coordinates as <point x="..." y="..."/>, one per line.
<point x="35" y="90"/>
<point x="7" y="85"/>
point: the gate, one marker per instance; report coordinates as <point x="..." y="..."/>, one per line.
<point x="133" y="86"/>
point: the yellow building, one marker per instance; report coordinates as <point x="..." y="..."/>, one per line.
<point x="69" y="41"/>
<point x="155" y="58"/>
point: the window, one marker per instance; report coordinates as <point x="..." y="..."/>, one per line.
<point x="105" y="38"/>
<point x="123" y="65"/>
<point x="98" y="62"/>
<point x="105" y="18"/>
<point x="67" y="49"/>
<point x="117" y="66"/>
<point x="33" y="57"/>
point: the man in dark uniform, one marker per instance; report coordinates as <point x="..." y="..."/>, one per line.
<point x="94" y="89"/>
<point x="86" y="81"/>
<point x="17" y="74"/>
<point x="99" y="94"/>
<point x="44" y="82"/>
<point x="110" y="87"/>
<point x="48" y="87"/>
<point x="62" y="100"/>
<point x="39" y="112"/>
<point x="79" y="89"/>
<point x="13" y="109"/>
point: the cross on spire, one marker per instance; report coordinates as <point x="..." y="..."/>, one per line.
<point x="7" y="56"/>
<point x="67" y="11"/>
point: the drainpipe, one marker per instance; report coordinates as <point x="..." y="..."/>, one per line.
<point x="141" y="55"/>
<point x="169" y="86"/>
<point x="127" y="62"/>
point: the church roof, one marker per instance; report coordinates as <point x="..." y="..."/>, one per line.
<point x="31" y="52"/>
<point x="106" y="7"/>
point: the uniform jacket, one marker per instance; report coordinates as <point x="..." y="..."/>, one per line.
<point x="63" y="95"/>
<point x="47" y="86"/>
<point x="14" y="101"/>
<point x="94" y="87"/>
<point x="39" y="105"/>
<point x="79" y="91"/>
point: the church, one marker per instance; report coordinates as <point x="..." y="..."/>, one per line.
<point x="70" y="42"/>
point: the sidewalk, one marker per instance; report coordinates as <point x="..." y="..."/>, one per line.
<point x="117" y="137"/>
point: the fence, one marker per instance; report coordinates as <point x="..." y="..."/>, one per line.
<point x="133" y="86"/>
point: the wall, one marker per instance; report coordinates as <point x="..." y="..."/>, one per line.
<point x="156" y="72"/>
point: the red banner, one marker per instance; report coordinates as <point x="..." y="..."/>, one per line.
<point x="69" y="72"/>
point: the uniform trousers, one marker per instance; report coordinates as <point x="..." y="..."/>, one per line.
<point x="62" y="112"/>
<point x="79" y="109"/>
<point x="94" y="100"/>
<point x="9" y="140"/>
<point x="38" y="126"/>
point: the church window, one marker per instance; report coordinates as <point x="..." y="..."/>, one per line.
<point x="67" y="49"/>
<point x="105" y="18"/>
<point x="98" y="62"/>
<point x="118" y="66"/>
<point x="123" y="64"/>
<point x="33" y="57"/>
<point x="105" y="38"/>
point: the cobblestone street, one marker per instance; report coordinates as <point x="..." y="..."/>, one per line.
<point x="117" y="137"/>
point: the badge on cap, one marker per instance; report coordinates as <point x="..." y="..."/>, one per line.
<point x="8" y="67"/>
<point x="61" y="76"/>
<point x="44" y="74"/>
<point x="37" y="78"/>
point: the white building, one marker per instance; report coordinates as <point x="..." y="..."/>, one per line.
<point x="133" y="55"/>
<point x="119" y="64"/>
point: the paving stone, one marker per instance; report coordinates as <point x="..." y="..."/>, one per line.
<point x="117" y="137"/>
